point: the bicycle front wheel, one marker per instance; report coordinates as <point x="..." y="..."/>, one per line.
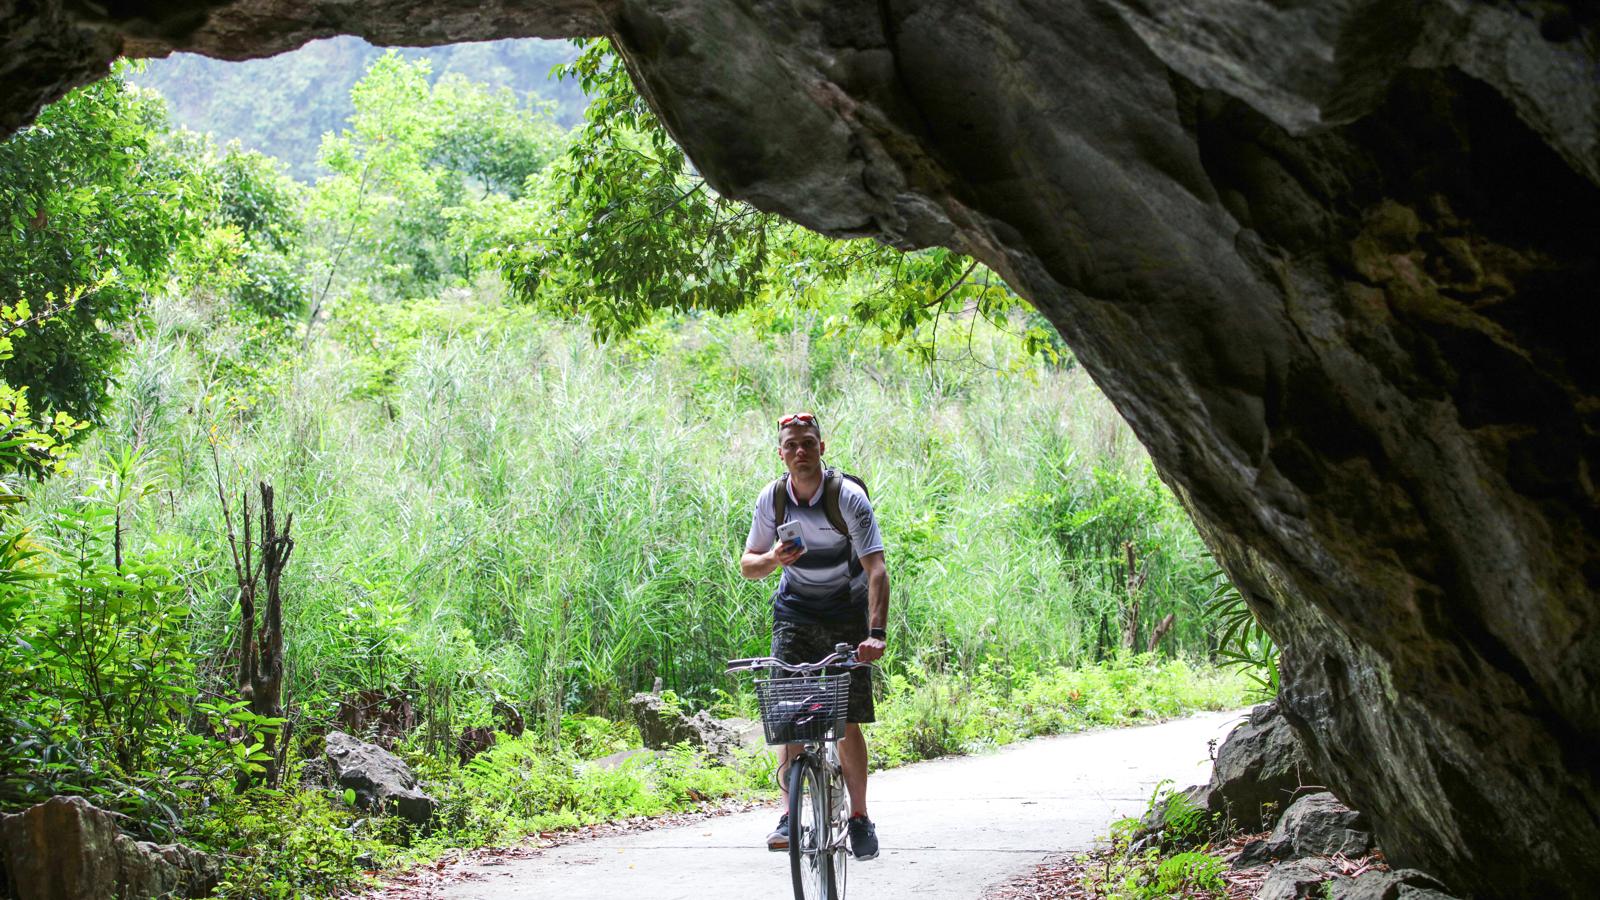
<point x="811" y="833"/>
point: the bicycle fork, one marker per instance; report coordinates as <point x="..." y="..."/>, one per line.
<point x="838" y="797"/>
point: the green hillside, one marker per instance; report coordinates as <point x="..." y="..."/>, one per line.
<point x="283" y="105"/>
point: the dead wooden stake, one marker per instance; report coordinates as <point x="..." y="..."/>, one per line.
<point x="261" y="661"/>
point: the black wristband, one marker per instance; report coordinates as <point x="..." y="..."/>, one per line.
<point x="877" y="633"/>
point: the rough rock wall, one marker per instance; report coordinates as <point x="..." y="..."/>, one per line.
<point x="1335" y="261"/>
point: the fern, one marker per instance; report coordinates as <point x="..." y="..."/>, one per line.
<point x="1242" y="642"/>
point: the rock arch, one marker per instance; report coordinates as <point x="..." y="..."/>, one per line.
<point x="1336" y="263"/>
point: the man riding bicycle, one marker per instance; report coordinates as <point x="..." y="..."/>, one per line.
<point x="834" y="589"/>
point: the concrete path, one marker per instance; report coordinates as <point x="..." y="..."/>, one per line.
<point x="948" y="828"/>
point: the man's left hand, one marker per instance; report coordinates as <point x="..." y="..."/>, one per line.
<point x="869" y="649"/>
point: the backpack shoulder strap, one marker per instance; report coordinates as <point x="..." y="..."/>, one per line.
<point x="780" y="499"/>
<point x="832" y="484"/>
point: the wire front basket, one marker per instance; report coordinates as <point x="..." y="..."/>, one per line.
<point x="803" y="707"/>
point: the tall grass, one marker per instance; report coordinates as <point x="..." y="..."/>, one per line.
<point x="488" y="504"/>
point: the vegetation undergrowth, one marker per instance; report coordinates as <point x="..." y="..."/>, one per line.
<point x="927" y="715"/>
<point x="292" y="843"/>
<point x="1173" y="850"/>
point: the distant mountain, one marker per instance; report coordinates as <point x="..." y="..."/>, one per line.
<point x="283" y="105"/>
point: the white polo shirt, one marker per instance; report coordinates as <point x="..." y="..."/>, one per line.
<point x="818" y="586"/>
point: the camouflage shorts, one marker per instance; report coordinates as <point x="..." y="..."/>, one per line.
<point x="798" y="642"/>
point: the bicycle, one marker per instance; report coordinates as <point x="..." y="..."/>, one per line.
<point x="808" y="708"/>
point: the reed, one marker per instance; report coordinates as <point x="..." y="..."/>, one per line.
<point x="488" y="504"/>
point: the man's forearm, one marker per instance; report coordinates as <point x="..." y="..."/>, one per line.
<point x="878" y="599"/>
<point x="756" y="566"/>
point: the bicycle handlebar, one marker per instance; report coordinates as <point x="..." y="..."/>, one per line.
<point x="842" y="657"/>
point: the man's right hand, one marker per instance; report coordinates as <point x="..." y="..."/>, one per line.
<point x="756" y="565"/>
<point x="786" y="553"/>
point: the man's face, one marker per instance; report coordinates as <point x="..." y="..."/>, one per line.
<point x="800" y="449"/>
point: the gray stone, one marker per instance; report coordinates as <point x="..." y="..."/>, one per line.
<point x="660" y="724"/>
<point x="1400" y="884"/>
<point x="747" y="732"/>
<point x="663" y="725"/>
<point x="1334" y="262"/>
<point x="1260" y="768"/>
<point x="67" y="849"/>
<point x="1301" y="879"/>
<point x="381" y="780"/>
<point x="1319" y="825"/>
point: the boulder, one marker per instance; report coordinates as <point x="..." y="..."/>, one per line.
<point x="1301" y="879"/>
<point x="1319" y="825"/>
<point x="663" y="725"/>
<point x="1260" y="768"/>
<point x="68" y="849"/>
<point x="1254" y="854"/>
<point x="749" y="732"/>
<point x="381" y="780"/>
<point x="721" y="737"/>
<point x="623" y="757"/>
<point x="1400" y="884"/>
<point x="1314" y="825"/>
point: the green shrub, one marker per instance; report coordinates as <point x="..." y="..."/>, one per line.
<point x="526" y="785"/>
<point x="284" y="844"/>
<point x="1188" y="871"/>
<point x="924" y="714"/>
<point x="102" y="686"/>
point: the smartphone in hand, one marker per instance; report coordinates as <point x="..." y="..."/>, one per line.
<point x="789" y="533"/>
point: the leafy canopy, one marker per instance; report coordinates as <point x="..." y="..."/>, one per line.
<point x="412" y="176"/>
<point x="624" y="227"/>
<point x="97" y="209"/>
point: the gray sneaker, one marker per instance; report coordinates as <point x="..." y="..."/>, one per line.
<point x="863" y="838"/>
<point x="779" y="838"/>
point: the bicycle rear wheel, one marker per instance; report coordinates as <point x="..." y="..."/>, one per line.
<point x="811" y="838"/>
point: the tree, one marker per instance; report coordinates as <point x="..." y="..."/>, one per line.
<point x="490" y="139"/>
<point x="624" y="227"/>
<point x="416" y="160"/>
<point x="97" y="208"/>
<point x="248" y="242"/>
<point x="259" y="203"/>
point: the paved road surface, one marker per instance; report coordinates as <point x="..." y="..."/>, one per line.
<point x="948" y="828"/>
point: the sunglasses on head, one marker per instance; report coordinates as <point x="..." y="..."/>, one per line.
<point x="797" y="419"/>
